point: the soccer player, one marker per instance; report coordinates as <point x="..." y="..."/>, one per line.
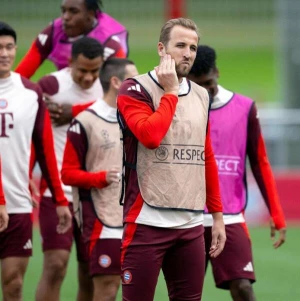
<point x="3" y="211"/>
<point x="78" y="18"/>
<point x="170" y="173"/>
<point x="24" y="120"/>
<point x="92" y="164"/>
<point x="75" y="84"/>
<point x="235" y="135"/>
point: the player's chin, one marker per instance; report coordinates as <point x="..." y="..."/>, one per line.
<point x="86" y="85"/>
<point x="184" y="70"/>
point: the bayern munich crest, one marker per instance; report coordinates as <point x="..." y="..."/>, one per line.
<point x="104" y="261"/>
<point x="3" y="103"/>
<point x="127" y="277"/>
<point x="162" y="153"/>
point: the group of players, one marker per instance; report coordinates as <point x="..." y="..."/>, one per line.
<point x="178" y="165"/>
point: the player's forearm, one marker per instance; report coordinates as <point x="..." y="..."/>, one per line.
<point x="213" y="195"/>
<point x="148" y="127"/>
<point x="2" y="199"/>
<point x="264" y="177"/>
<point x="217" y="216"/>
<point x="83" y="179"/>
<point x="73" y="172"/>
<point x="44" y="146"/>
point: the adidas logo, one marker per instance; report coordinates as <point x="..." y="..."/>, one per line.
<point x="108" y="52"/>
<point x="248" y="267"/>
<point x="42" y="38"/>
<point x="75" y="128"/>
<point x="136" y="87"/>
<point x="28" y="245"/>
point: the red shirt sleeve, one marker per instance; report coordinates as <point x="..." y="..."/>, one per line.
<point x="38" y="52"/>
<point x="213" y="195"/>
<point x="2" y="199"/>
<point x="44" y="151"/>
<point x="147" y="125"/>
<point x="78" y="108"/>
<point x="73" y="168"/>
<point x="262" y="170"/>
<point x="113" y="48"/>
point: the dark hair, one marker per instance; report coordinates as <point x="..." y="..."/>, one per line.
<point x="6" y="30"/>
<point x="113" y="67"/>
<point x="94" y="5"/>
<point x="205" y="61"/>
<point x="88" y="47"/>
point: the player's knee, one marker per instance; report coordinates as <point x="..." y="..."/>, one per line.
<point x="12" y="287"/>
<point x="56" y="268"/>
<point x="242" y="289"/>
<point x="109" y="289"/>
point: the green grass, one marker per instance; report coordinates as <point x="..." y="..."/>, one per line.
<point x="246" y="71"/>
<point x="276" y="270"/>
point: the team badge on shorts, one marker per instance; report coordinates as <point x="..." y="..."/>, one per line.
<point x="104" y="261"/>
<point x="127" y="277"/>
<point x="3" y="103"/>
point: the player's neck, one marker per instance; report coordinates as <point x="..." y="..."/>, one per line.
<point x="110" y="98"/>
<point x="4" y="75"/>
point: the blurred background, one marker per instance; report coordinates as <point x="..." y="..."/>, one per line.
<point x="258" y="48"/>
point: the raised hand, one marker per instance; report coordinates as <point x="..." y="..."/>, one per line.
<point x="166" y="75"/>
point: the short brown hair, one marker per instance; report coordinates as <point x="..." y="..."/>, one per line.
<point x="166" y="29"/>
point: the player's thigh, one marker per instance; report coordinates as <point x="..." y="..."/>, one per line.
<point x="106" y="286"/>
<point x="56" y="261"/>
<point x="82" y="235"/>
<point x="16" y="239"/>
<point x="48" y="220"/>
<point x="13" y="269"/>
<point x="236" y="260"/>
<point x="143" y="248"/>
<point x="184" y="265"/>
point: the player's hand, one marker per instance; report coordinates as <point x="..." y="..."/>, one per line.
<point x="218" y="237"/>
<point x="166" y="75"/>
<point x="3" y="218"/>
<point x="35" y="194"/>
<point x="64" y="219"/>
<point x="60" y="114"/>
<point x="113" y="175"/>
<point x="282" y="235"/>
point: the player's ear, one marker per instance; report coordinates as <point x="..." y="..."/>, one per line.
<point x="161" y="49"/>
<point x="70" y="61"/>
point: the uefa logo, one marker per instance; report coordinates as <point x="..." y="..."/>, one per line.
<point x="161" y="153"/>
<point x="104" y="261"/>
<point x="3" y="103"/>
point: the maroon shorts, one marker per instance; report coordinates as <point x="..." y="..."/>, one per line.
<point x="16" y="240"/>
<point x="105" y="254"/>
<point x="236" y="261"/>
<point x="105" y="257"/>
<point x="145" y="250"/>
<point x="51" y="240"/>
